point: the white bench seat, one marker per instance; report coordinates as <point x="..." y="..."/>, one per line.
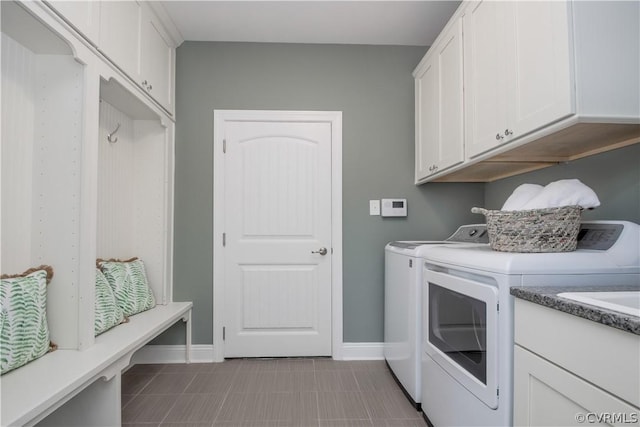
<point x="32" y="392"/>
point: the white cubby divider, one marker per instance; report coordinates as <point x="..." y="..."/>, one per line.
<point x="68" y="195"/>
<point x="134" y="179"/>
<point x="41" y="170"/>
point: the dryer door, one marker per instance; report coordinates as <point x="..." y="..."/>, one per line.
<point x="462" y="328"/>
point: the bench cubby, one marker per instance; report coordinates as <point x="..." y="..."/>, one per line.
<point x="69" y="196"/>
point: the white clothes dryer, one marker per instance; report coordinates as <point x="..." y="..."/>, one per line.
<point x="467" y="359"/>
<point x="403" y="305"/>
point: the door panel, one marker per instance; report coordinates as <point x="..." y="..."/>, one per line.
<point x="539" y="83"/>
<point x="485" y="76"/>
<point x="277" y="211"/>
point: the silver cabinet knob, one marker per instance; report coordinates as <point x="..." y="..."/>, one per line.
<point x="321" y="251"/>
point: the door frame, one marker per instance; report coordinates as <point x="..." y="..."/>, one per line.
<point x="333" y="117"/>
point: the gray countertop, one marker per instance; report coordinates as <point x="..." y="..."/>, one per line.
<point x="548" y="297"/>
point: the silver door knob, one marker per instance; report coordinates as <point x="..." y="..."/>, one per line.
<point x="321" y="251"/>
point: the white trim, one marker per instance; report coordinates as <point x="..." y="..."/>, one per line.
<point x="335" y="117"/>
<point x="363" y="351"/>
<point x="204" y="353"/>
<point x="149" y="354"/>
<point x="170" y="27"/>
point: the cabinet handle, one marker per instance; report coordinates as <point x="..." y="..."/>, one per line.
<point x="508" y="132"/>
<point x="149" y="87"/>
<point x="499" y="137"/>
<point x="144" y="83"/>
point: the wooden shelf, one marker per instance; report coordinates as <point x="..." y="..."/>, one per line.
<point x="574" y="142"/>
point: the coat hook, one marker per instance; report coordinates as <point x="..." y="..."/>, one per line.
<point x="110" y="135"/>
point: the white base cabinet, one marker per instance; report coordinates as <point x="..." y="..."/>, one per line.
<point x="547" y="395"/>
<point x="570" y="371"/>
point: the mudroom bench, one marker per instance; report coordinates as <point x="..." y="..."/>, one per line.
<point x="83" y="388"/>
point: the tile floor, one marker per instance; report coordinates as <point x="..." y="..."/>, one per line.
<point x="266" y="392"/>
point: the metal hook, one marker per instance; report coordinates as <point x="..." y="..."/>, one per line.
<point x="110" y="135"/>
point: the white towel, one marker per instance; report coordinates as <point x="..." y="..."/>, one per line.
<point x="520" y="196"/>
<point x="566" y="192"/>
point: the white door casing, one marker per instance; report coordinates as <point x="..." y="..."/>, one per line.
<point x="277" y="198"/>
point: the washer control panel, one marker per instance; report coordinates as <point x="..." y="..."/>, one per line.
<point x="599" y="237"/>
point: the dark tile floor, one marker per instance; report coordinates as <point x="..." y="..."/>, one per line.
<point x="304" y="392"/>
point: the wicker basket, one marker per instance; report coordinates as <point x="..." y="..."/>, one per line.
<point x="536" y="230"/>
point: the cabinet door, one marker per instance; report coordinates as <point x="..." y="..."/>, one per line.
<point x="540" y="89"/>
<point x="156" y="61"/>
<point x="427" y="120"/>
<point x="547" y="395"/>
<point x="120" y="34"/>
<point x="84" y="16"/>
<point x="451" y="140"/>
<point x="439" y="125"/>
<point x="485" y="76"/>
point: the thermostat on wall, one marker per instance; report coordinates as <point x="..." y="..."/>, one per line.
<point x="394" y="207"/>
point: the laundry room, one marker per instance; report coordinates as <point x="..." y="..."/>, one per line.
<point x="238" y="160"/>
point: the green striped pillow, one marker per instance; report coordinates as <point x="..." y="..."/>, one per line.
<point x="24" y="333"/>
<point x="107" y="312"/>
<point x="128" y="280"/>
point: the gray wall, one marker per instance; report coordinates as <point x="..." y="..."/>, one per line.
<point x="614" y="176"/>
<point x="373" y="87"/>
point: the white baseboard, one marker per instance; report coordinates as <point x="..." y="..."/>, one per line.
<point x="203" y="353"/>
<point x="200" y="353"/>
<point x="362" y="351"/>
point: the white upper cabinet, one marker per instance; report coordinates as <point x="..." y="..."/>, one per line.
<point x="541" y="88"/>
<point x="545" y="82"/>
<point x="517" y="70"/>
<point x="132" y="36"/>
<point x="485" y="75"/>
<point x="439" y="105"/>
<point x="120" y="23"/>
<point x="156" y="60"/>
<point x="84" y="16"/>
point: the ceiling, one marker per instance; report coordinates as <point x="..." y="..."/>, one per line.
<point x="395" y="22"/>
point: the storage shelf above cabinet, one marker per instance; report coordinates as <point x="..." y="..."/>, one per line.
<point x="571" y="143"/>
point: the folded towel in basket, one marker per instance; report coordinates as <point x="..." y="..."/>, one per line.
<point x="565" y="192"/>
<point x="520" y="196"/>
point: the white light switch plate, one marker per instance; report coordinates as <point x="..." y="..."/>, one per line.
<point x="374" y="207"/>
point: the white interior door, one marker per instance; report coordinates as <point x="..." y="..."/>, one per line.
<point x="278" y="236"/>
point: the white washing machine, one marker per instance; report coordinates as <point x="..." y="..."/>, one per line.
<point x="467" y="359"/>
<point x="403" y="305"/>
